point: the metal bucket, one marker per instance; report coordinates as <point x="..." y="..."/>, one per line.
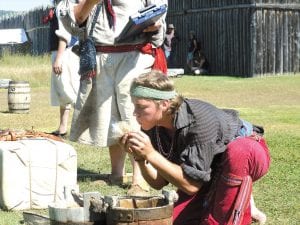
<point x="89" y="211"/>
<point x="140" y="210"/>
<point x="19" y="97"/>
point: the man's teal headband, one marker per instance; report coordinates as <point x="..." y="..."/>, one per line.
<point x="145" y="92"/>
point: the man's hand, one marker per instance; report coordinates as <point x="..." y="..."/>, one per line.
<point x="153" y="28"/>
<point x="140" y="144"/>
<point x="83" y="9"/>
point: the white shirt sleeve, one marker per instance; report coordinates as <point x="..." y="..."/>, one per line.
<point x="66" y="18"/>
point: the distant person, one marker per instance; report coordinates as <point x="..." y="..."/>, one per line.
<point x="192" y="47"/>
<point x="170" y="44"/>
<point x="65" y="66"/>
<point x="200" y="62"/>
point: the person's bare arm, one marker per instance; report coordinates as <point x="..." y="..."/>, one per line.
<point x="140" y="146"/>
<point x="153" y="27"/>
<point x="151" y="175"/>
<point x="172" y="173"/>
<point x="83" y="9"/>
<point x="195" y="45"/>
<point x="57" y="64"/>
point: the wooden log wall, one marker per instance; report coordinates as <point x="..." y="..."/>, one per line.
<point x="276" y="40"/>
<point x="241" y="38"/>
<point x="31" y="22"/>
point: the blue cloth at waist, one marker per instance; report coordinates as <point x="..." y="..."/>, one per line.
<point x="246" y="129"/>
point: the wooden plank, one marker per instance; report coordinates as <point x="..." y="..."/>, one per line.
<point x="297" y="43"/>
<point x="273" y="42"/>
<point x="285" y="42"/>
<point x="279" y="45"/>
<point x="259" y="46"/>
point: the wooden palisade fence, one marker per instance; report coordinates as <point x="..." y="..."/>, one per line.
<point x="36" y="31"/>
<point x="244" y="38"/>
<point x="241" y="37"/>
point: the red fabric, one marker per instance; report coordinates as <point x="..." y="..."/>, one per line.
<point x="253" y="158"/>
<point x="119" y="48"/>
<point x="48" y="17"/>
<point x="187" y="210"/>
<point x="89" y="75"/>
<point x="242" y="201"/>
<point x="51" y="13"/>
<point x="160" y="62"/>
<point x="254" y="161"/>
<point x="244" y="159"/>
<point x="111" y="13"/>
<point x="45" y="19"/>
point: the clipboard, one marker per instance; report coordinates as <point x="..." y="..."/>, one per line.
<point x="141" y="20"/>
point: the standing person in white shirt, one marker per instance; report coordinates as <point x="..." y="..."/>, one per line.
<point x="106" y="101"/>
<point x="65" y="65"/>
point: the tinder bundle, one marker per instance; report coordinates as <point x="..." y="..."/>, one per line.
<point x="14" y="135"/>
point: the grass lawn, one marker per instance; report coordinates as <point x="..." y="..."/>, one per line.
<point x="273" y="102"/>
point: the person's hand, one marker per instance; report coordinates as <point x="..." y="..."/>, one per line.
<point x="153" y="28"/>
<point x="124" y="144"/>
<point x="57" y="67"/>
<point x="139" y="144"/>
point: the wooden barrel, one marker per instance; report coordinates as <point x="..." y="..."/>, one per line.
<point x="115" y="210"/>
<point x="140" y="210"/>
<point x="19" y="97"/>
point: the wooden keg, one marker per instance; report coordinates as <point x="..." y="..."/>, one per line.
<point x="19" y="97"/>
<point x="140" y="210"/>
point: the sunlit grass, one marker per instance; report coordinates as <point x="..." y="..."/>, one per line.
<point x="273" y="102"/>
<point x="36" y="70"/>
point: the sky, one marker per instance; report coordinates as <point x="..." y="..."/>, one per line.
<point x="22" y="5"/>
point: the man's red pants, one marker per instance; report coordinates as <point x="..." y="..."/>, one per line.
<point x="244" y="161"/>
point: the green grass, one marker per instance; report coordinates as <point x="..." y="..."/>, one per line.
<point x="273" y="102"/>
